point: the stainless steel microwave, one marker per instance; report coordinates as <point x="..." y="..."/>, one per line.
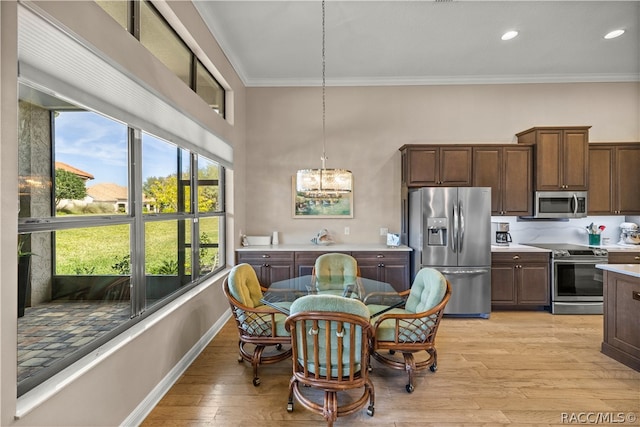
<point x="560" y="204"/>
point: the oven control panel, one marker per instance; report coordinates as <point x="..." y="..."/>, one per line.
<point x="590" y="253"/>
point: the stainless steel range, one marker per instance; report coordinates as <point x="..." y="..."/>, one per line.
<point x="576" y="283"/>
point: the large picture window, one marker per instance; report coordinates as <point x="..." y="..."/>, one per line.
<point x="98" y="248"/>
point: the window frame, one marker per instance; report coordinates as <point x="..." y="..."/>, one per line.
<point x="136" y="220"/>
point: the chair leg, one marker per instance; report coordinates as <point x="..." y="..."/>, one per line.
<point x="330" y="410"/>
<point x="434" y="356"/>
<point x="255" y="361"/>
<point x="410" y="366"/>
<point x="371" y="408"/>
<point x="292" y="384"/>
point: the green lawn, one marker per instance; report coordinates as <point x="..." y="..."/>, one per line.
<point x="96" y="250"/>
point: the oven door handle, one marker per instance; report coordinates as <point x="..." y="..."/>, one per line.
<point x="580" y="261"/>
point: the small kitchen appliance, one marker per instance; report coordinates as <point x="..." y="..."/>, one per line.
<point x="500" y="234"/>
<point x="629" y="233"/>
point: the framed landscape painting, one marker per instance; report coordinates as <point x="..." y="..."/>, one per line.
<point x="326" y="206"/>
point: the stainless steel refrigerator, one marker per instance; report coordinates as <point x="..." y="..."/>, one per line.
<point x="450" y="230"/>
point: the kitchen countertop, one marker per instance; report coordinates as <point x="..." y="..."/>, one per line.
<point x="516" y="247"/>
<point x="324" y="248"/>
<point x="626" y="269"/>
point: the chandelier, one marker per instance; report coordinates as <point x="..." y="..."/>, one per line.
<point x="323" y="182"/>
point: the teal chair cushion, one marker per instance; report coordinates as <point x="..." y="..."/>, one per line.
<point x="427" y="290"/>
<point x="329" y="303"/>
<point x="334" y="271"/>
<point x="244" y="285"/>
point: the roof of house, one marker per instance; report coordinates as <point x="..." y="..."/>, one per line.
<point x="82" y="174"/>
<point x="107" y="192"/>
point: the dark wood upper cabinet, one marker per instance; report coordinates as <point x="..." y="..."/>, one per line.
<point x="614" y="177"/>
<point x="436" y="165"/>
<point x="561" y="157"/>
<point x="508" y="171"/>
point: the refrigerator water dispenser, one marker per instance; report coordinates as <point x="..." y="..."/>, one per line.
<point x="437" y="231"/>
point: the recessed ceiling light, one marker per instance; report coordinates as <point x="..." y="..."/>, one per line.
<point x="613" y="34"/>
<point x="509" y="35"/>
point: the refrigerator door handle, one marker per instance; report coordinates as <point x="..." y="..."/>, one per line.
<point x="461" y="226"/>
<point x="470" y="271"/>
<point x="454" y="239"/>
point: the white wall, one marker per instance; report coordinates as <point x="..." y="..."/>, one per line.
<point x="367" y="125"/>
<point x="113" y="385"/>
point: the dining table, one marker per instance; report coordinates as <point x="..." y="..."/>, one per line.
<point x="380" y="297"/>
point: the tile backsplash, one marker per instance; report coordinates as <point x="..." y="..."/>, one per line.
<point x="573" y="231"/>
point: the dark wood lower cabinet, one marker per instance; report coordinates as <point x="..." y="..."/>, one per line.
<point x="621" y="320"/>
<point x="392" y="266"/>
<point x="306" y="260"/>
<point x="626" y="257"/>
<point x="520" y="280"/>
<point x="385" y="266"/>
<point x="270" y="266"/>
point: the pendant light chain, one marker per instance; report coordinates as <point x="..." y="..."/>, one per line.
<point x="326" y="184"/>
<point x="324" y="102"/>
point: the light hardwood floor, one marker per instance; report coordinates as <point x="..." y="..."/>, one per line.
<point x="520" y="368"/>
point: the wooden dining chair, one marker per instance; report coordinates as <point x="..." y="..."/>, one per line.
<point x="412" y="329"/>
<point x="260" y="327"/>
<point x="330" y="343"/>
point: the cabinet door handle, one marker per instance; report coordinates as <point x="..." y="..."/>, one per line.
<point x="266" y="265"/>
<point x="381" y="265"/>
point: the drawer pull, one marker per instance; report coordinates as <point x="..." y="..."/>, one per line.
<point x="266" y="256"/>
<point x="380" y="256"/>
<point x="516" y="257"/>
<point x="636" y="295"/>
<point x="637" y="258"/>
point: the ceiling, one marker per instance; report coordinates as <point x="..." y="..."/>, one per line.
<point x="279" y="43"/>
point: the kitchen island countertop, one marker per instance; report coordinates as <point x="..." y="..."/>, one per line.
<point x="627" y="269"/>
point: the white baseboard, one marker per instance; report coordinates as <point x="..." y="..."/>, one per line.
<point x="146" y="406"/>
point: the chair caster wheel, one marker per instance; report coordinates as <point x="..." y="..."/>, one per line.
<point x="370" y="411"/>
<point x="433" y="367"/>
<point x="256" y="382"/>
<point x="240" y="359"/>
<point x="409" y="388"/>
<point x="278" y="346"/>
<point x="290" y="407"/>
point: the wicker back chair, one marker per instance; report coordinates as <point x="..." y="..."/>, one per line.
<point x="413" y="329"/>
<point x="330" y="342"/>
<point x="259" y="325"/>
<point x="336" y="274"/>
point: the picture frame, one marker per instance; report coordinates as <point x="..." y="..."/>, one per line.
<point x="335" y="206"/>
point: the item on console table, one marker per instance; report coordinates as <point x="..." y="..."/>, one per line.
<point x="322" y="238"/>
